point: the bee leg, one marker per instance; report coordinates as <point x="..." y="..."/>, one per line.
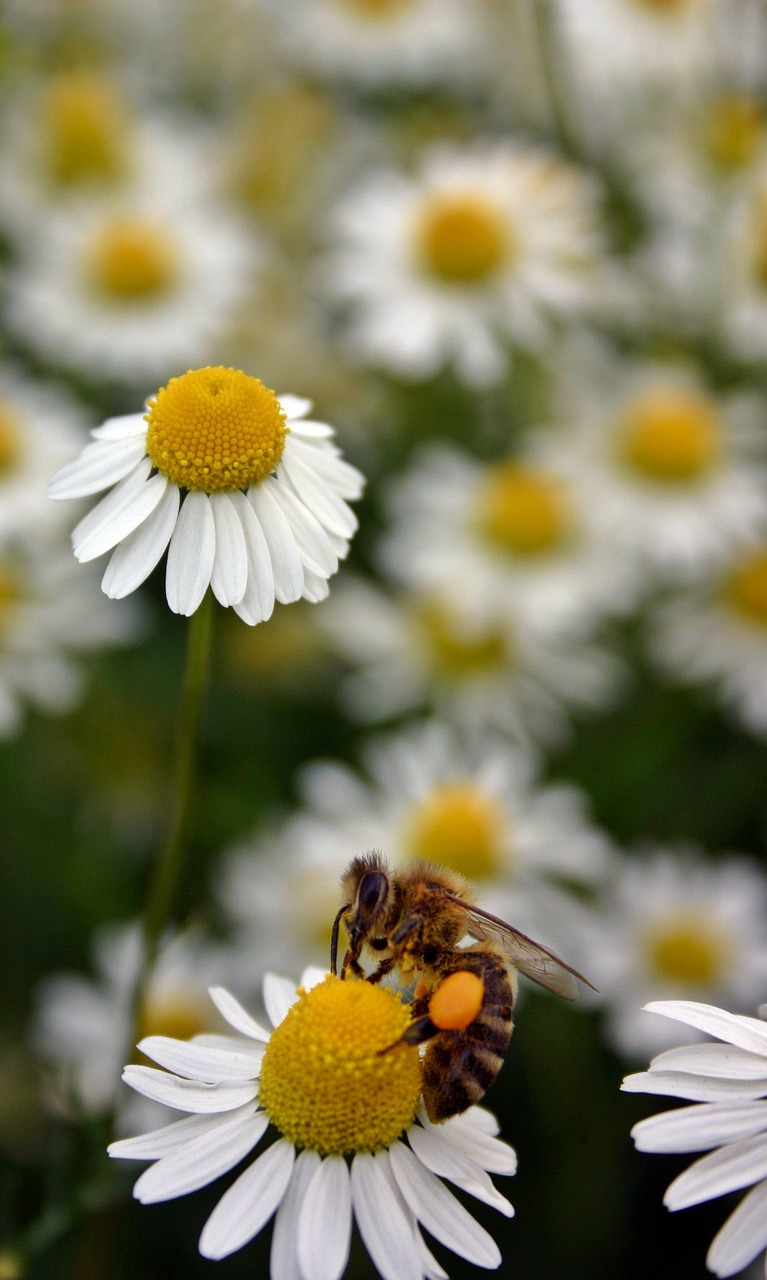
<point x="420" y="1030"/>
<point x="384" y="967"/>
<point x="352" y="963"/>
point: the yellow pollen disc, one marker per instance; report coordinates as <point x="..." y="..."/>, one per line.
<point x="131" y="261"/>
<point x="10" y="441"/>
<point x="455" y="652"/>
<point x="664" y="6"/>
<point x="214" y="429"/>
<point x="324" y="1082"/>
<point x="687" y="949"/>
<point x="523" y="511"/>
<point x="735" y="133"/>
<point x="375" y="8"/>
<point x="745" y="589"/>
<point x="463" y="239"/>
<point x="672" y="436"/>
<point x="84" y="126"/>
<point x="457" y="1001"/>
<point x="460" y="827"/>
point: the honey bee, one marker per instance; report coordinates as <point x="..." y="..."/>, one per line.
<point x="413" y="921"/>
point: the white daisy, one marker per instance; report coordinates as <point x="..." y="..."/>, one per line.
<point x="245" y="491"/>
<point x="131" y="289"/>
<point x="50" y="615"/>
<point x="715" y="633"/>
<point x="674" y="923"/>
<point x="478" y="249"/>
<point x="353" y="1143"/>
<point x="39" y="429"/>
<point x="379" y="42"/>
<point x="418" y="649"/>
<point x="726" y="1084"/>
<point x="512" y="537"/>
<point x="672" y="471"/>
<point x="82" y="1024"/>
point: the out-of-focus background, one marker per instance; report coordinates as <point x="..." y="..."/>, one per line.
<point x="516" y="253"/>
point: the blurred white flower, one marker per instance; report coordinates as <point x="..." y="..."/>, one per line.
<point x="727" y="1086"/>
<point x="51" y="614"/>
<point x="715" y="633"/>
<point x="82" y="1024"/>
<point x="132" y="289"/>
<point x="672" y="471"/>
<point x="513" y="537"/>
<point x="476" y="250"/>
<point x="380" y="42"/>
<point x="263" y="515"/>
<point x="416" y="649"/>
<point x="673" y="923"/>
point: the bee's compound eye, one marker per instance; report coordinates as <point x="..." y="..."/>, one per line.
<point x="372" y="892"/>
<point x="457" y="1001"/>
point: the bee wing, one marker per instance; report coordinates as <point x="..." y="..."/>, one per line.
<point x="529" y="957"/>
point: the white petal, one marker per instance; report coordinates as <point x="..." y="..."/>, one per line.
<point x="719" y="1060"/>
<point x="237" y="1017"/>
<point x="257" y="603"/>
<point x="431" y="1268"/>
<point x="315" y="587"/>
<point x="230" y="566"/>
<point x="728" y="1169"/>
<point x="231" y="1044"/>
<point x="311" y="429"/>
<point x="198" y="1062"/>
<point x="112" y="502"/>
<point x="478" y="1144"/>
<point x="440" y="1212"/>
<point x="681" y="1084"/>
<point x="283" y="551"/>
<point x="202" y="1159"/>
<point x="249" y="1203"/>
<point x="697" y="1128"/>
<point x="188" y="1095"/>
<point x="125" y="427"/>
<point x="382" y="1221"/>
<point x="325" y="1222"/>
<point x="134" y="559"/>
<point x="312" y="976"/>
<point x="743" y="1235"/>
<point x="279" y="994"/>
<point x="295" y="406"/>
<point x="314" y="546"/>
<point x="171" y="1137"/>
<point x="99" y="466"/>
<point x="317" y="496"/>
<point x="190" y="554"/>
<point x="283" y="1259"/>
<point x="135" y="508"/>
<point x="447" y="1162"/>
<point x="747" y="1033"/>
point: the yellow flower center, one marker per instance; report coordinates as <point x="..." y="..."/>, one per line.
<point x="375" y="9"/>
<point x="672" y="436"/>
<point x="324" y="1082"/>
<point x="10" y="441"/>
<point x="84" y="126"/>
<point x="463" y="239"/>
<point x="745" y="589"/>
<point x="460" y="827"/>
<point x="131" y="260"/>
<point x="10" y="593"/>
<point x="215" y="428"/>
<point x="734" y="133"/>
<point x="664" y="6"/>
<point x="288" y="131"/>
<point x="687" y="949"/>
<point x="455" y="651"/>
<point x="523" y="511"/>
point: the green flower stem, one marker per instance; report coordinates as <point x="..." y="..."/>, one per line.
<point x="168" y="867"/>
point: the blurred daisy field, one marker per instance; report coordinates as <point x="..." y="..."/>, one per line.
<point x="383" y="466"/>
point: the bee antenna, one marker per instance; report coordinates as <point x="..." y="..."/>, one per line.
<point x="334" y="939"/>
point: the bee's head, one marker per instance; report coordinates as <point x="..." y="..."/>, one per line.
<point x="367" y="885"/>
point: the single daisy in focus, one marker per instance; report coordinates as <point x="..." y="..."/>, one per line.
<point x="354" y="1143"/>
<point x="50" y="614"/>
<point x="715" y="633"/>
<point x="726" y="1084"/>
<point x="417" y="649"/>
<point x="383" y="42"/>
<point x="82" y="1025"/>
<point x="247" y="494"/>
<point x="477" y="250"/>
<point x="131" y="290"/>
<point x="512" y="536"/>
<point x="672" y="471"/>
<point x="674" y="923"/>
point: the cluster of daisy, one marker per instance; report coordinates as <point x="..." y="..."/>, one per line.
<point x="518" y="253"/>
